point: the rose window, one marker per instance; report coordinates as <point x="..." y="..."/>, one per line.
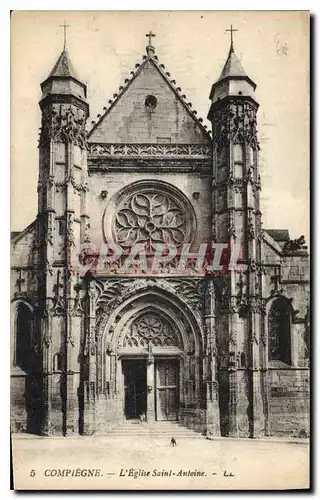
<point x="152" y="330"/>
<point x="151" y="217"/>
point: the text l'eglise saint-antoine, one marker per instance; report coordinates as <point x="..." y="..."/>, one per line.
<point x="135" y="473"/>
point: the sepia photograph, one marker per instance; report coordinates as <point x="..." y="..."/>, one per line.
<point x="160" y="288"/>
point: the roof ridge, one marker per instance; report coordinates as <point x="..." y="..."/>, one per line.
<point x="166" y="75"/>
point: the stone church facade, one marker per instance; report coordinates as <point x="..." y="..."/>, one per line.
<point x="224" y="352"/>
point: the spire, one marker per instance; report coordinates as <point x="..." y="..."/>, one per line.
<point x="63" y="78"/>
<point x="232" y="67"/>
<point x="233" y="80"/>
<point x="64" y="67"/>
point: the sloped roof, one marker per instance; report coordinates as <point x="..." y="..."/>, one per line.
<point x="64" y="67"/>
<point x="233" y="69"/>
<point x="171" y="83"/>
<point x="279" y="234"/>
<point x="232" y="66"/>
<point x="17" y="235"/>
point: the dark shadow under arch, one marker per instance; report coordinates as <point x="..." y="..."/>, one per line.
<point x="279" y="331"/>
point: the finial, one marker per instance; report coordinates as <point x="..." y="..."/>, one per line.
<point x="232" y="30"/>
<point x="150" y="48"/>
<point x="64" y="26"/>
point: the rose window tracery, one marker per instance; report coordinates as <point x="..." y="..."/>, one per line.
<point x="153" y="330"/>
<point x="150" y="217"/>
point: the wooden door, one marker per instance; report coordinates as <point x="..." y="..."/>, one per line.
<point x="167" y="389"/>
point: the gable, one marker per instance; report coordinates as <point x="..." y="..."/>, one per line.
<point x="130" y="120"/>
<point x="22" y="246"/>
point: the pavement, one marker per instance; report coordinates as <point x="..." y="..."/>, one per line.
<point x="146" y="463"/>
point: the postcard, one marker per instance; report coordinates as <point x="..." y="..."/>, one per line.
<point x="159" y="250"/>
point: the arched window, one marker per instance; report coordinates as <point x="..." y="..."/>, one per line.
<point x="57" y="362"/>
<point x="279" y="331"/>
<point x="243" y="360"/>
<point x="23" y="340"/>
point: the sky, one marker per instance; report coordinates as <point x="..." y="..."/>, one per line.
<point x="104" y="47"/>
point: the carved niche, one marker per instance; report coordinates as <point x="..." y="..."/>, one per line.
<point x="151" y="330"/>
<point x="151" y="215"/>
<point x="63" y="125"/>
<point x="236" y="122"/>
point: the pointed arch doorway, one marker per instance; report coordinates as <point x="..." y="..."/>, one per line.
<point x="150" y="357"/>
<point x="139" y="382"/>
<point x="150" y="353"/>
<point x="135" y="387"/>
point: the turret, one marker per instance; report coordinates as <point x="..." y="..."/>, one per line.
<point x="236" y="221"/>
<point x="62" y="226"/>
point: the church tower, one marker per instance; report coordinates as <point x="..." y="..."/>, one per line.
<point x="62" y="225"/>
<point x="237" y="223"/>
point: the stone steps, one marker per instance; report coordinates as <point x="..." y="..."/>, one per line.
<point x="154" y="430"/>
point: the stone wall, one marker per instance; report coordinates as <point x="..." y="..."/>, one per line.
<point x="289" y="402"/>
<point x="21" y="254"/>
<point x="194" y="418"/>
<point x="18" y="402"/>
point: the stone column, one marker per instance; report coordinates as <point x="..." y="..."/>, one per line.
<point x="46" y="428"/>
<point x="90" y="351"/>
<point x="151" y="387"/>
<point x="210" y="367"/>
<point x="233" y="403"/>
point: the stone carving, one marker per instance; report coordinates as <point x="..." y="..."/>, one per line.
<point x="58" y="308"/>
<point x="222" y="290"/>
<point x="294" y="245"/>
<point x="93" y="293"/>
<point x="263" y="337"/>
<point x="251" y="231"/>
<point x="49" y="236"/>
<point x="252" y="265"/>
<point x="241" y="299"/>
<point x="236" y="122"/>
<point x="151" y="330"/>
<point x="63" y="125"/>
<point x="192" y="290"/>
<point x="150" y="217"/>
<point x="118" y="291"/>
<point x="70" y="232"/>
<point x="90" y="344"/>
<point x="231" y="229"/>
<point x="147" y="150"/>
<point x="77" y="306"/>
<point x="275" y="280"/>
<point x="109" y="300"/>
<point x="70" y="337"/>
<point x="150" y="358"/>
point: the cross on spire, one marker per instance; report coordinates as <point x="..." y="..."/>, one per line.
<point x="231" y="30"/>
<point x="64" y="26"/>
<point x="150" y="35"/>
<point x="150" y="48"/>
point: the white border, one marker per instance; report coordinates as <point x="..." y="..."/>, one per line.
<point x="313" y="6"/>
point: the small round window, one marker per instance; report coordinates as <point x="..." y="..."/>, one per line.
<point x="151" y="102"/>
